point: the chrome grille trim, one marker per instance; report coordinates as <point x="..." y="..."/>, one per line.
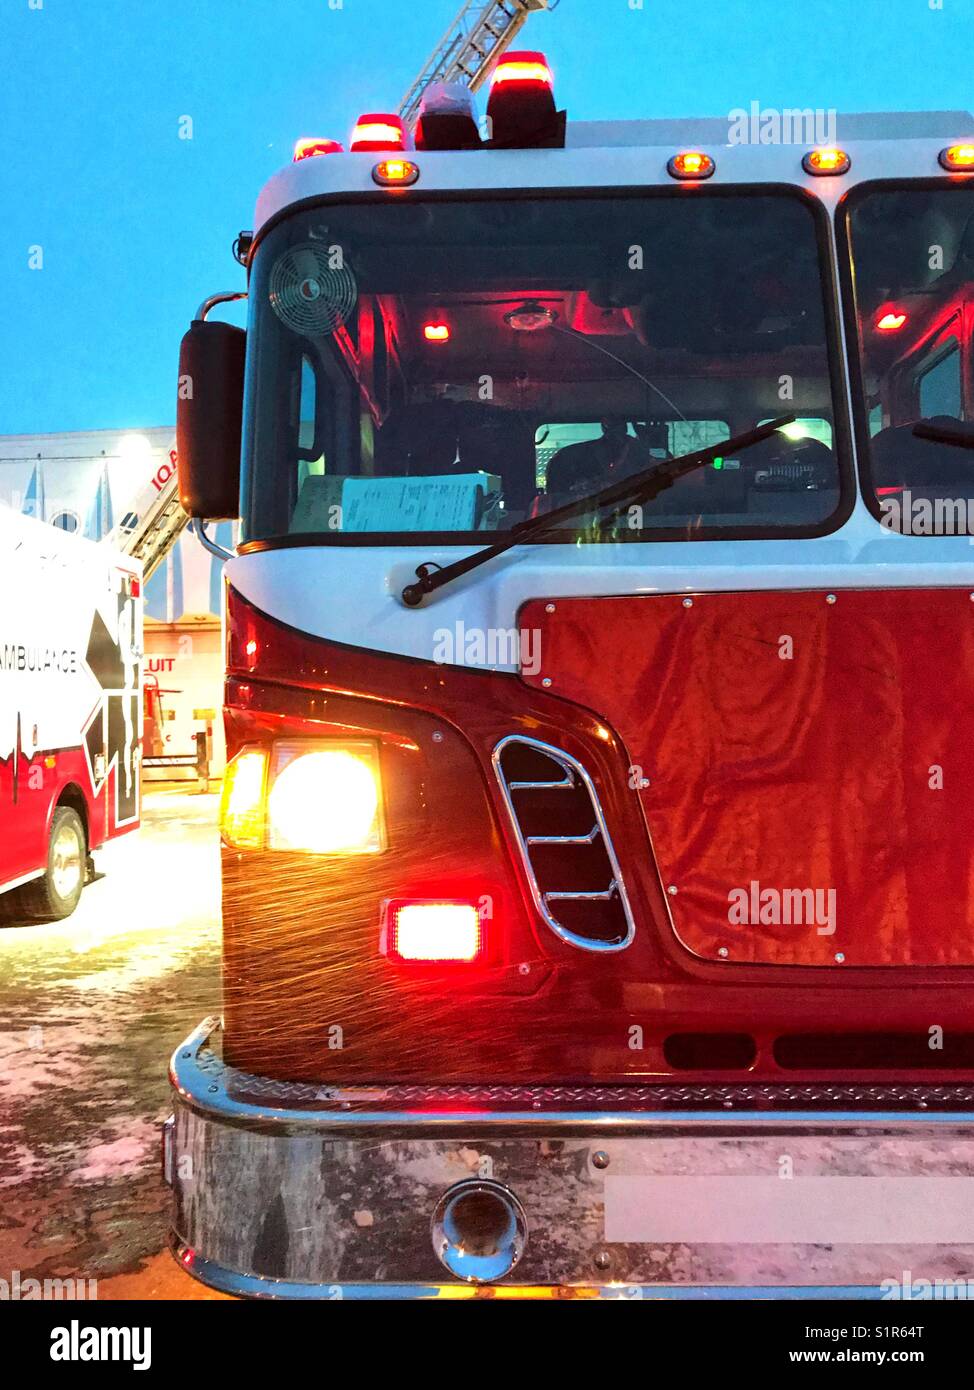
<point x="540" y="786"/>
<point x="572" y="769"/>
<point x="553" y="895"/>
<point x="588" y="839"/>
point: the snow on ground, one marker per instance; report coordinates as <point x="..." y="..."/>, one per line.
<point x="90" y="1010"/>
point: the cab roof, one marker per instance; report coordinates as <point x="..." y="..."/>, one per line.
<point x="602" y="155"/>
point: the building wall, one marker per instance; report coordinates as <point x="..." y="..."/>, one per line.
<point x="183" y="673"/>
<point x="86" y="482"/>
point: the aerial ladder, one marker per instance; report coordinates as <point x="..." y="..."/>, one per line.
<point x="470" y="47"/>
<point x="466" y="53"/>
<point x="149" y="533"/>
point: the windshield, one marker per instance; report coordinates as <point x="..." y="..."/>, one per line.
<point x="451" y="367"/>
<point x="912" y="250"/>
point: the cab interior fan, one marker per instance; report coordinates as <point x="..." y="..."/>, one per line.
<point x="309" y="292"/>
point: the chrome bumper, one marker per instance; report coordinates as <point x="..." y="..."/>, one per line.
<point x="309" y="1191"/>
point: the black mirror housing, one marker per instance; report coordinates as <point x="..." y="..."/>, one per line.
<point x="209" y="419"/>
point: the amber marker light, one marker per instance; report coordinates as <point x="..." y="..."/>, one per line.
<point x="958" y="159"/>
<point x="690" y="164"/>
<point x="395" y="173"/>
<point x="828" y="160"/>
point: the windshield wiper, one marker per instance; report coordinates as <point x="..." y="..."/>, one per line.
<point x="638" y="487"/>
<point x="946" y="432"/>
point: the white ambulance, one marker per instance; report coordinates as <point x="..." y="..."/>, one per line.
<point x="70" y="711"/>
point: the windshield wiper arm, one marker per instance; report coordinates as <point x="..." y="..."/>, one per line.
<point x="638" y="487"/>
<point x="944" y="432"/>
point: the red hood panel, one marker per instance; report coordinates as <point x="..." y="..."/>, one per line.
<point x="795" y="748"/>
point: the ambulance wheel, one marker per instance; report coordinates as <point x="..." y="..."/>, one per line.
<point x="56" y="893"/>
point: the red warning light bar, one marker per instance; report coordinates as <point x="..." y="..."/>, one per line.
<point x="310" y="146"/>
<point x="379" y="132"/>
<point x="525" y="65"/>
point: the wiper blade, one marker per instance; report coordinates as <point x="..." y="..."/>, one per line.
<point x="638" y="487"/>
<point x="946" y="432"/>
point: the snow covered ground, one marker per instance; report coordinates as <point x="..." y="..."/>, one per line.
<point x="90" y="1009"/>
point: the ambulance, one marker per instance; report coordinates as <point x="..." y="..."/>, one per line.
<point x="70" y="712"/>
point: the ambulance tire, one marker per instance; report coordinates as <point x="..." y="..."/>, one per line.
<point x="55" y="894"/>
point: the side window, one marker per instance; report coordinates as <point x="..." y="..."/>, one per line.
<point x="310" y="461"/>
<point x="939" y="388"/>
<point x="307" y="407"/>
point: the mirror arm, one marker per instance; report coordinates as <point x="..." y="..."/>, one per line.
<point x="198" y="529"/>
<point x="223" y="297"/>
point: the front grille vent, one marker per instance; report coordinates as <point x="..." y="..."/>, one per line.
<point x="568" y="856"/>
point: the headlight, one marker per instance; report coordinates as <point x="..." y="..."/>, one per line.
<point x="321" y="798"/>
<point x="242" y="805"/>
<point x="325" y="799"/>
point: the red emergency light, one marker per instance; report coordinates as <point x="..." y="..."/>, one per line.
<point x="379" y="131"/>
<point x="431" y="931"/>
<point x="521" y="106"/>
<point x="527" y="65"/>
<point x="310" y="146"/>
<point x="447" y="120"/>
<point x="890" y="320"/>
<point x="436" y="332"/>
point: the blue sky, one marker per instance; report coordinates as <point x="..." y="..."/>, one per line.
<point x="136" y="224"/>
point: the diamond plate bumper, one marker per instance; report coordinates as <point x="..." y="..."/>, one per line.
<point x="303" y="1191"/>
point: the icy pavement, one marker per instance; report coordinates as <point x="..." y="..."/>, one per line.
<point x="90" y="1009"/>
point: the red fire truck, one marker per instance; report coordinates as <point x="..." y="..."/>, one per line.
<point x="598" y="845"/>
<point x="70" y="712"/>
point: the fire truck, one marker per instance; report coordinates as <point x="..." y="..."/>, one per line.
<point x="598" y="845"/>
<point x="70" y="712"/>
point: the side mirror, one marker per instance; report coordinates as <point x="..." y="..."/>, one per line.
<point x="209" y="418"/>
